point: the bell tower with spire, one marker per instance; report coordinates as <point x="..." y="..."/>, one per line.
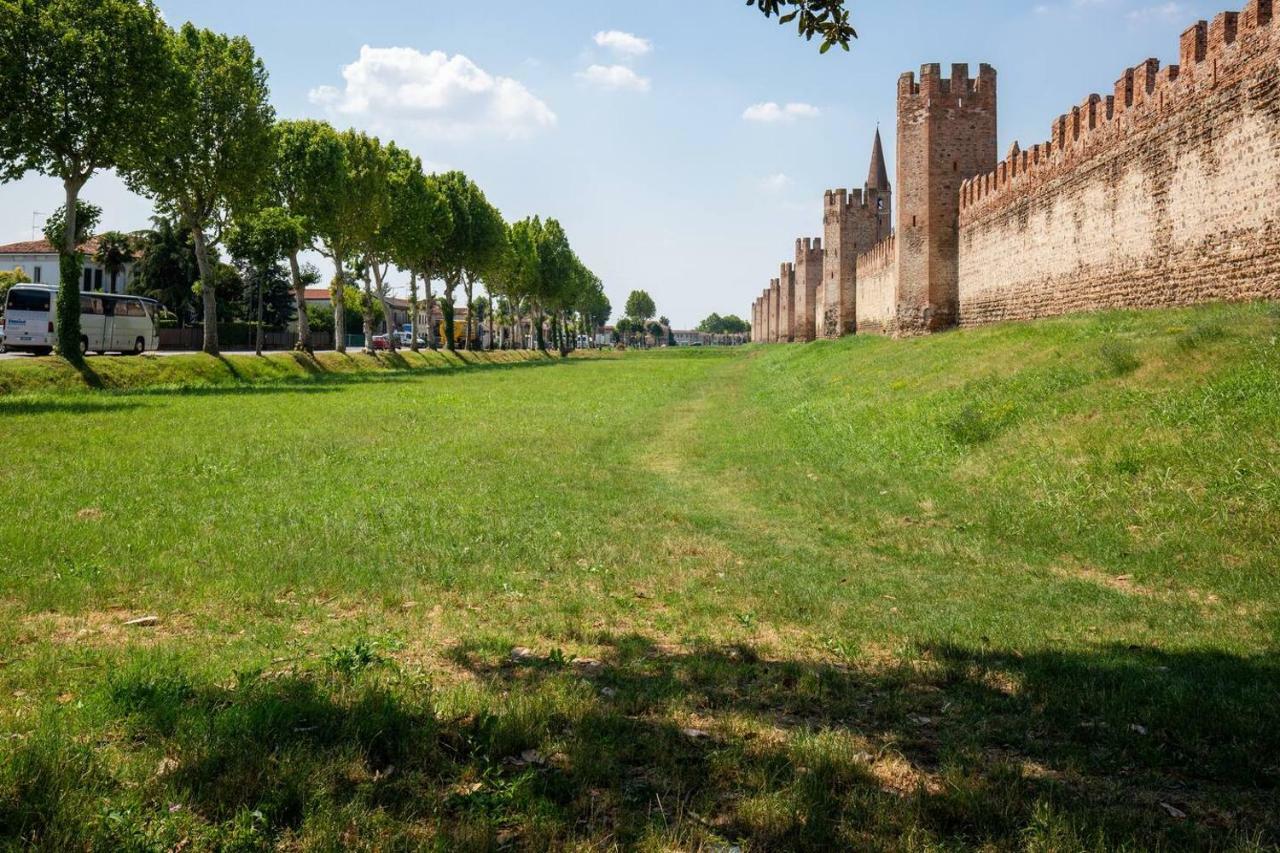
<point x="877" y="190"/>
<point x="853" y="222"/>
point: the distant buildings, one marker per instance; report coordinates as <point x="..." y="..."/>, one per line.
<point x="39" y="260"/>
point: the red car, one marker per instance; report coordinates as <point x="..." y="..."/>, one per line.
<point x="381" y="342"/>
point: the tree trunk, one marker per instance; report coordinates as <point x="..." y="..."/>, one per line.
<point x="490" y="347"/>
<point x="208" y="290"/>
<point x="432" y="328"/>
<point x="67" y="310"/>
<point x="379" y="274"/>
<point x="449" y="327"/>
<point x="413" y="312"/>
<point x="468" y="287"/>
<point x="339" y="305"/>
<point x="300" y="297"/>
<point x="258" y="345"/>
<point x="366" y="313"/>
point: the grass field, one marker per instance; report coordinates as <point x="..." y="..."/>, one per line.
<point x="1014" y="588"/>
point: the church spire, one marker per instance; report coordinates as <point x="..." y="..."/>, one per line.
<point x="878" y="178"/>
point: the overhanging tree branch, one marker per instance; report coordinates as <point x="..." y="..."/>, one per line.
<point x="826" y="18"/>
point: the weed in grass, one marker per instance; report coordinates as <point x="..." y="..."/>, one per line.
<point x="1120" y="358"/>
<point x="1201" y="335"/>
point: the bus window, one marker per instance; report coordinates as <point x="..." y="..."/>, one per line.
<point x="91" y="305"/>
<point x="29" y="300"/>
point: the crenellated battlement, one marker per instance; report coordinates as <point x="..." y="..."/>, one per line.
<point x="879" y="257"/>
<point x="808" y="245"/>
<point x="959" y="87"/>
<point x="1209" y="53"/>
<point x="850" y="200"/>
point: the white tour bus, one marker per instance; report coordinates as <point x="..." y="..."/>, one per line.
<point x="108" y="322"/>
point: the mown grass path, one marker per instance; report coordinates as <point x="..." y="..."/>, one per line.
<point x="1005" y="589"/>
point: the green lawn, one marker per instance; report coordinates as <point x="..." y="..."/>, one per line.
<point x="1014" y="588"/>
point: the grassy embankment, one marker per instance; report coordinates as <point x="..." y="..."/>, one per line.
<point x="194" y="371"/>
<point x="1010" y="588"/>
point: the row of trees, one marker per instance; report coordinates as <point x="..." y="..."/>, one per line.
<point x="184" y="117"/>
<point x="731" y="324"/>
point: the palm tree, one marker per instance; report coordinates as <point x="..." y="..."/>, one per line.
<point x="114" y="253"/>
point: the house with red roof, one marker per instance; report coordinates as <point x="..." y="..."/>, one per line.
<point x="39" y="260"/>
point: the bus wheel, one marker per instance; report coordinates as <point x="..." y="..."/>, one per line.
<point x="139" y="346"/>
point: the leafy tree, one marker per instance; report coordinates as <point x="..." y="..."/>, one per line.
<point x="557" y="266"/>
<point x="115" y="252"/>
<point x="474" y="246"/>
<point x="513" y="279"/>
<point x="213" y="146"/>
<point x="85" y="222"/>
<point x="361" y="218"/>
<point x="8" y="278"/>
<point x="421" y="224"/>
<point x="640" y="307"/>
<point x="167" y="269"/>
<point x="260" y="241"/>
<point x="310" y="174"/>
<point x="729" y="325"/>
<point x="826" y="18"/>
<point x="79" y="79"/>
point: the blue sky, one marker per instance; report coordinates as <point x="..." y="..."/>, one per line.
<point x="658" y="132"/>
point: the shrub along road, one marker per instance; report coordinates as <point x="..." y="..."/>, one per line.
<point x="1012" y="588"/>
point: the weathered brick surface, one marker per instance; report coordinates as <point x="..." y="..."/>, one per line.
<point x="808" y="278"/>
<point x="1165" y="193"/>
<point x="946" y="134"/>
<point x="877" y="288"/>
<point x="775" y="311"/>
<point x="787" y="303"/>
<point x="853" y="222"/>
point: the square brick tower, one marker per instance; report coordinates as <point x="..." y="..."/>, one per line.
<point x="787" y="304"/>
<point x="853" y="222"/>
<point x="808" y="279"/>
<point x="946" y="134"/>
<point x="775" y="310"/>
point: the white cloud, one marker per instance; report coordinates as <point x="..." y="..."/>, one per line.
<point x="624" y="44"/>
<point x="440" y="95"/>
<point x="771" y="112"/>
<point x="614" y="77"/>
<point x="775" y="183"/>
<point x="1161" y="12"/>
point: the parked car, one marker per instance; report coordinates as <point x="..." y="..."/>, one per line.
<point x="405" y="340"/>
<point x="381" y="342"/>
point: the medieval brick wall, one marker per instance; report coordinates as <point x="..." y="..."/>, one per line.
<point x="1165" y="193"/>
<point x="878" y="288"/>
<point x="808" y="278"/>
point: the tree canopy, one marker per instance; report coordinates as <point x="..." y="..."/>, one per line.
<point x="211" y="151"/>
<point x="826" y="18"/>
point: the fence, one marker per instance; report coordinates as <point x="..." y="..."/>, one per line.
<point x="239" y="337"/>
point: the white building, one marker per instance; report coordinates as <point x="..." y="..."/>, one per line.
<point x="39" y="260"/>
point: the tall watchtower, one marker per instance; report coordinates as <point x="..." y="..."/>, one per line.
<point x="853" y="222"/>
<point x="946" y="134"/>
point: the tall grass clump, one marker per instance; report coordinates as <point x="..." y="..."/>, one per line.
<point x="1120" y="358"/>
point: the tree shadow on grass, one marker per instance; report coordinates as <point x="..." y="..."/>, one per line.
<point x="78" y="405"/>
<point x="959" y="747"/>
